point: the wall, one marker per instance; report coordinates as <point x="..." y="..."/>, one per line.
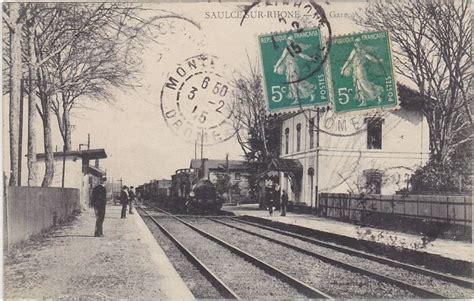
<point x="73" y="177"/>
<point x="29" y="210"/>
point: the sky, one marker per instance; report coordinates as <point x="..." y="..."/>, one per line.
<point x="131" y="128"/>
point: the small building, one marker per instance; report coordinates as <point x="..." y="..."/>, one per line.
<point x="79" y="173"/>
<point x="237" y="172"/>
<point x="351" y="153"/>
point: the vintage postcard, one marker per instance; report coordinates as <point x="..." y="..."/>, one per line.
<point x="237" y="150"/>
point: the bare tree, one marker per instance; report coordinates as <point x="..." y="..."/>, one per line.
<point x="252" y="125"/>
<point x="14" y="20"/>
<point x="433" y="50"/>
<point x="68" y="54"/>
<point x="88" y="68"/>
<point x="257" y="133"/>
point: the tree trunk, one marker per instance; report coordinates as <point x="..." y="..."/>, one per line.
<point x="46" y="118"/>
<point x="32" y="101"/>
<point x="67" y="128"/>
<point x="15" y="87"/>
<point x="48" y="144"/>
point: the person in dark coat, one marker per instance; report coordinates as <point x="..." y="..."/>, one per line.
<point x="284" y="203"/>
<point x="124" y="199"/>
<point x="99" y="201"/>
<point x="270" y="201"/>
<point x="131" y="195"/>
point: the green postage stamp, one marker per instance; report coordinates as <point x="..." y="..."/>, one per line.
<point x="362" y="72"/>
<point x="293" y="69"/>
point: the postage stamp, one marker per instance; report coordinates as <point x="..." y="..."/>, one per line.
<point x="288" y="61"/>
<point x="194" y="101"/>
<point x="362" y="72"/>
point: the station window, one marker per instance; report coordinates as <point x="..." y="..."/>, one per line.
<point x="374" y="133"/>
<point x="287" y="140"/>
<point x="311" y="133"/>
<point x="298" y="137"/>
<point x="373" y="181"/>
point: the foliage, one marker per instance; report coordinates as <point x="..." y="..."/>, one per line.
<point x="225" y="185"/>
<point x="453" y="175"/>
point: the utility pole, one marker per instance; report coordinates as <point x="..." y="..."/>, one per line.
<point x="195" y="149"/>
<point x="229" y="184"/>
<point x="88" y="141"/>
<point x="64" y="153"/>
<point x="202" y="144"/>
<point x="317" y="160"/>
<point x="20" y="134"/>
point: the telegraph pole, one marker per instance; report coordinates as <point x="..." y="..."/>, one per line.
<point x="202" y="144"/>
<point x="317" y="160"/>
<point x="195" y="149"/>
<point x="20" y="134"/>
<point x="64" y="152"/>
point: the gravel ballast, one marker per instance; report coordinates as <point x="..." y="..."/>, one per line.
<point x="445" y="288"/>
<point x="197" y="283"/>
<point x="332" y="280"/>
<point x="247" y="280"/>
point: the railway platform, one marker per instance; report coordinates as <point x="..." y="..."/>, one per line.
<point x="70" y="263"/>
<point x="452" y="250"/>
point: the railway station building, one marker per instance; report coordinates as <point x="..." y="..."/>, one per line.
<point x="363" y="152"/>
<point x="81" y="170"/>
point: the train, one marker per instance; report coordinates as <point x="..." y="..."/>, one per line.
<point x="186" y="192"/>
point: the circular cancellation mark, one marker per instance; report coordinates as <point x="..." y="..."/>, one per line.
<point x="195" y="101"/>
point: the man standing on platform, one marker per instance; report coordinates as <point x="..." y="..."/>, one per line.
<point x="131" y="195"/>
<point x="124" y="199"/>
<point x="99" y="202"/>
<point x="284" y="203"/>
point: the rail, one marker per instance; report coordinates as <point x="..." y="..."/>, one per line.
<point x="409" y="287"/>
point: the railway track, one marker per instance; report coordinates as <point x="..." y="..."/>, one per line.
<point x="402" y="283"/>
<point x="220" y="286"/>
<point x="463" y="282"/>
<point x="304" y="289"/>
<point x="417" y="291"/>
<point x="425" y="287"/>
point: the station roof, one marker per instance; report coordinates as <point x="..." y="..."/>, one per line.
<point x="286" y="165"/>
<point x="290" y="166"/>
<point x="88" y="154"/>
<point x="96" y="172"/>
<point x="219" y="164"/>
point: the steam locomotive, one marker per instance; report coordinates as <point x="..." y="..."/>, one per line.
<point x="191" y="194"/>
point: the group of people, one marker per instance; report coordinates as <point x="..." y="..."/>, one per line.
<point x="127" y="197"/>
<point x="273" y="199"/>
<point x="99" y="202"/>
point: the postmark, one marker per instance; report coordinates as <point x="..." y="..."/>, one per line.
<point x="286" y="59"/>
<point x="362" y="74"/>
<point x="301" y="16"/>
<point x="194" y="101"/>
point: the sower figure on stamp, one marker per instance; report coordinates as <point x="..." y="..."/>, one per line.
<point x="99" y="202"/>
<point x="124" y="199"/>
<point x="284" y="203"/>
<point x="131" y="195"/>
<point x="287" y="63"/>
